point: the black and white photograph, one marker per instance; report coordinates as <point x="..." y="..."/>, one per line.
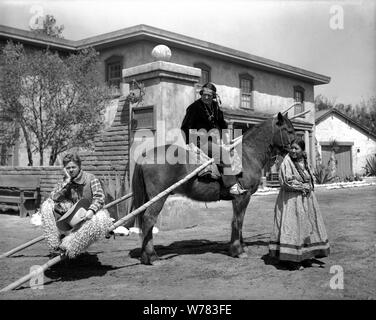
<point x="203" y="151"/>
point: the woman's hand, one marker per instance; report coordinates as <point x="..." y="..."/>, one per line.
<point x="306" y="188"/>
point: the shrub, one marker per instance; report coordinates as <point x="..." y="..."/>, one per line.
<point x="322" y="175"/>
<point x="371" y="166"/>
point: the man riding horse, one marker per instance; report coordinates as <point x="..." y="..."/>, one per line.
<point x="204" y="114"/>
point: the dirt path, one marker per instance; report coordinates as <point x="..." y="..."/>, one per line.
<point x="195" y="263"/>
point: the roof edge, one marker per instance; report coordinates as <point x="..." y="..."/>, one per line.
<point x="143" y="30"/>
<point x="341" y="114"/>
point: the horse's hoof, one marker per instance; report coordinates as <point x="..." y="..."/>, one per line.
<point x="236" y="251"/>
<point x="145" y="259"/>
<point x="243" y="255"/>
<point x="149" y="259"/>
<point x="157" y="262"/>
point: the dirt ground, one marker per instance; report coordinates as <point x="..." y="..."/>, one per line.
<point x="195" y="264"/>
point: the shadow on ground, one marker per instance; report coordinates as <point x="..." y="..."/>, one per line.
<point x="82" y="267"/>
<point x="200" y="246"/>
<point x="272" y="261"/>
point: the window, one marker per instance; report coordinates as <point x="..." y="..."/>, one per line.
<point x="143" y="118"/>
<point x="300" y="135"/>
<point x="205" y="72"/>
<point x="114" y="66"/>
<point x="299" y="97"/>
<point x="246" y="88"/>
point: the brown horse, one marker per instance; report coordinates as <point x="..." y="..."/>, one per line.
<point x="258" y="146"/>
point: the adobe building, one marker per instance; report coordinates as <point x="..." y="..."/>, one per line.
<point x="354" y="143"/>
<point x="251" y="88"/>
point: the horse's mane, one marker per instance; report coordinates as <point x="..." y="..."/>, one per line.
<point x="260" y="128"/>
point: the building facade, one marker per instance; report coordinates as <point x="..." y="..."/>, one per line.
<point x="251" y="88"/>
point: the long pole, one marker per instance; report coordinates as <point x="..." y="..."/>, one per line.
<point x="114" y="226"/>
<point x="160" y="195"/>
<point x="35" y="273"/>
<point x="40" y="238"/>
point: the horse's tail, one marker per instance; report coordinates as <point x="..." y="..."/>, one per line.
<point x="139" y="192"/>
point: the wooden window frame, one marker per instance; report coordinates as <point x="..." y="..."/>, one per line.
<point x="153" y="127"/>
<point x="299" y="108"/>
<point x="203" y="67"/>
<point x="246" y="76"/>
<point x="115" y="59"/>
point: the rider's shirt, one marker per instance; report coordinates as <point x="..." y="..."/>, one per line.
<point x="199" y="116"/>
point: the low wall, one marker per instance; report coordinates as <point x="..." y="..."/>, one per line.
<point x="50" y="176"/>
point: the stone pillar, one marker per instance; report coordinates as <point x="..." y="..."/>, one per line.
<point x="169" y="89"/>
<point x="312" y="151"/>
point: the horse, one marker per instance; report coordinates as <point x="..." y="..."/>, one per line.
<point x="259" y="145"/>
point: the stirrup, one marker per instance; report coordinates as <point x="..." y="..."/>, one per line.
<point x="237" y="189"/>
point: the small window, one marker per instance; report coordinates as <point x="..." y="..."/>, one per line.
<point x="114" y="66"/>
<point x="300" y="135"/>
<point x="143" y="118"/>
<point x="205" y="73"/>
<point x="246" y="89"/>
<point x="114" y="74"/>
<point x="299" y="97"/>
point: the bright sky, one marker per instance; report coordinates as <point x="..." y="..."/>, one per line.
<point x="298" y="33"/>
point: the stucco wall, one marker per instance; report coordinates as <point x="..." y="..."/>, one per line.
<point x="272" y="92"/>
<point x="335" y="128"/>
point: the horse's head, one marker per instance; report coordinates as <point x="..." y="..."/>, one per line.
<point x="283" y="134"/>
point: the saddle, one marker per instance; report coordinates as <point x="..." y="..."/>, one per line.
<point x="212" y="170"/>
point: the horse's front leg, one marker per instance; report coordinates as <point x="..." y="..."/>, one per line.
<point x="239" y="205"/>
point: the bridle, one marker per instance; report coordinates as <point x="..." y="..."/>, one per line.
<point x="284" y="146"/>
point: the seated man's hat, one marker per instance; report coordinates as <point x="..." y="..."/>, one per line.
<point x="74" y="216"/>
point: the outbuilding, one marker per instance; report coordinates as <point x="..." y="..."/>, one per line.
<point x="351" y="142"/>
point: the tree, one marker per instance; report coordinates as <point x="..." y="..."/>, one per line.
<point x="50" y="28"/>
<point x="323" y="103"/>
<point x="58" y="102"/>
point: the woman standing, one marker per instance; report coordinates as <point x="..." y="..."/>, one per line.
<point x="299" y="233"/>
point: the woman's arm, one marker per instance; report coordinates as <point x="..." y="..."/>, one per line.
<point x="289" y="181"/>
<point x="62" y="188"/>
<point x="98" y="195"/>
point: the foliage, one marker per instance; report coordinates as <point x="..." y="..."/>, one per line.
<point x="371" y="166"/>
<point x="322" y="175"/>
<point x="58" y="102"/>
<point x="50" y="28"/>
<point x="323" y="103"/>
<point x="351" y="178"/>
